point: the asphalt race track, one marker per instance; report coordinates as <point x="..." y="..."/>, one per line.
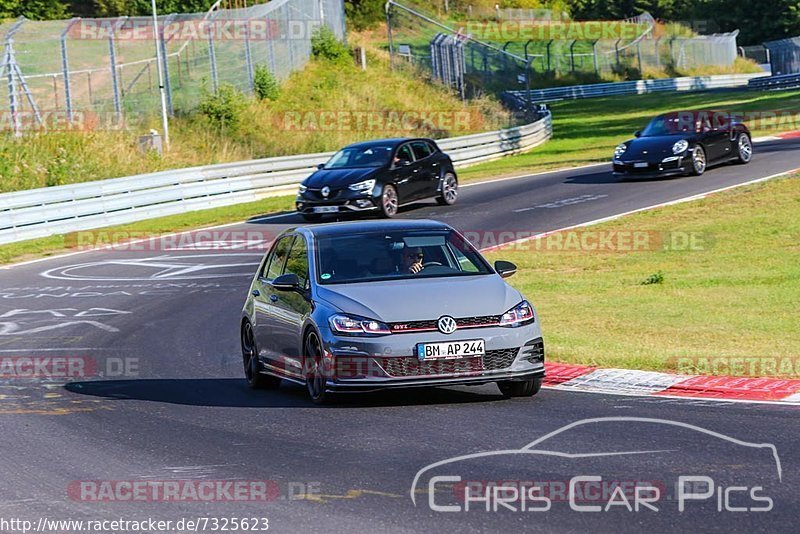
<point x="160" y="397"/>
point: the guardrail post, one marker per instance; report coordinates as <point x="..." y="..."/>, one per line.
<point x="65" y="70"/>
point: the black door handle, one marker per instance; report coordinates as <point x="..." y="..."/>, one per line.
<point x="273" y="298"/>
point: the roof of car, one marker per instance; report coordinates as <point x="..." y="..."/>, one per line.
<point x="362" y="227"/>
<point x="393" y="141"/>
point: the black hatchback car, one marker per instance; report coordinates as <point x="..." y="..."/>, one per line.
<point x="378" y="176"/>
<point x="684" y="142"/>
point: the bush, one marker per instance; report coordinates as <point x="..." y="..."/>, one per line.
<point x="325" y="45"/>
<point x="653" y="279"/>
<point x="265" y="84"/>
<point x="225" y="107"/>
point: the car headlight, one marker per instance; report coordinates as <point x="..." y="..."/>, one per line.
<point x="302" y="189"/>
<point x="365" y="186"/>
<point x="680" y="146"/>
<point x="519" y="315"/>
<point x="357" y="326"/>
<point x="620" y="150"/>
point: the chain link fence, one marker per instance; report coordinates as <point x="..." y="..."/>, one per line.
<point x="507" y="51"/>
<point x="85" y="70"/>
<point x="784" y="56"/>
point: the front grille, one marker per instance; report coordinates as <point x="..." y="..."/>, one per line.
<point x="499" y="359"/>
<point x="317" y="195"/>
<point x="533" y="351"/>
<point x="430" y="325"/>
<point x="406" y="366"/>
<point x="410" y="366"/>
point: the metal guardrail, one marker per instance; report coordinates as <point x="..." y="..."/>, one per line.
<point x="689" y="83"/>
<point x="783" y="82"/>
<point x="68" y="208"/>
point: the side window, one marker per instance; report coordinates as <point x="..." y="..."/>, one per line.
<point x="298" y="261"/>
<point x="274" y="267"/>
<point x="421" y="149"/>
<point x="404" y="154"/>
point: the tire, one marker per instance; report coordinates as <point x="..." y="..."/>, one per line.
<point x="520" y="388"/>
<point x="252" y="367"/>
<point x="449" y="190"/>
<point x="699" y="161"/>
<point x="390" y="202"/>
<point x="744" y="149"/>
<point x="311" y="217"/>
<point x="315" y="378"/>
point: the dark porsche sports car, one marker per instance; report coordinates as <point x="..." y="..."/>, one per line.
<point x="684" y="142"/>
<point x="378" y="176"/>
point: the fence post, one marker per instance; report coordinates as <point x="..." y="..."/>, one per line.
<point x="13" y="105"/>
<point x="616" y="51"/>
<point x="594" y="59"/>
<point x="550" y="42"/>
<point x="639" y="56"/>
<point x="163" y="45"/>
<point x="112" y="54"/>
<point x="572" y="55"/>
<point x="248" y="58"/>
<point x="212" y="57"/>
<point x="655" y="48"/>
<point x="389" y="35"/>
<point x="65" y="70"/>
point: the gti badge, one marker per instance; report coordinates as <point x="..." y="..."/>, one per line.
<point x="446" y="324"/>
<point x="325" y="191"/>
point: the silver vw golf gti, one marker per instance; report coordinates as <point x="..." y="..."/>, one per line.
<point x="361" y="306"/>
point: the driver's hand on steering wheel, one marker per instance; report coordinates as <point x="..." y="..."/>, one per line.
<point x="415" y="267"/>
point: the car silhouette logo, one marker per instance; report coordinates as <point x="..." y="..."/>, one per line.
<point x="326" y="191"/>
<point x="446" y="324"/>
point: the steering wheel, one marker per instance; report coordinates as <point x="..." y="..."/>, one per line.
<point x="431" y="264"/>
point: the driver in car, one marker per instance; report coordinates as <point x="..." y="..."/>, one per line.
<point x="412" y="261"/>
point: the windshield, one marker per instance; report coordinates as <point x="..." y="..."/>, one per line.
<point x="396" y="256"/>
<point x="353" y="157"/>
<point x="672" y="125"/>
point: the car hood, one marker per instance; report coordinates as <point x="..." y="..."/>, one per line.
<point x="420" y="299"/>
<point x="339" y="177"/>
<point x="653" y="146"/>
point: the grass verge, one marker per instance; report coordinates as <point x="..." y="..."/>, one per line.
<point x="724" y="304"/>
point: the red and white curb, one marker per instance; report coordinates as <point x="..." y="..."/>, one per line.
<point x="646" y="383"/>
<point x="785" y="135"/>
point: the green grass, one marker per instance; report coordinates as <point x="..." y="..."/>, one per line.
<point x="586" y="131"/>
<point x="734" y="294"/>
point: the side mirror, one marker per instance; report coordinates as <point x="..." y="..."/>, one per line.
<point x="320" y="166"/>
<point x="637" y="133"/>
<point x="504" y="268"/>
<point x="286" y="282"/>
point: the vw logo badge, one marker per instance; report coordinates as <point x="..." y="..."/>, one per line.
<point x="446" y="324"/>
<point x="325" y="191"/>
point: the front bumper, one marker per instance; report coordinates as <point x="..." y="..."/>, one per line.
<point x="652" y="169"/>
<point x="338" y="201"/>
<point x="368" y="364"/>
